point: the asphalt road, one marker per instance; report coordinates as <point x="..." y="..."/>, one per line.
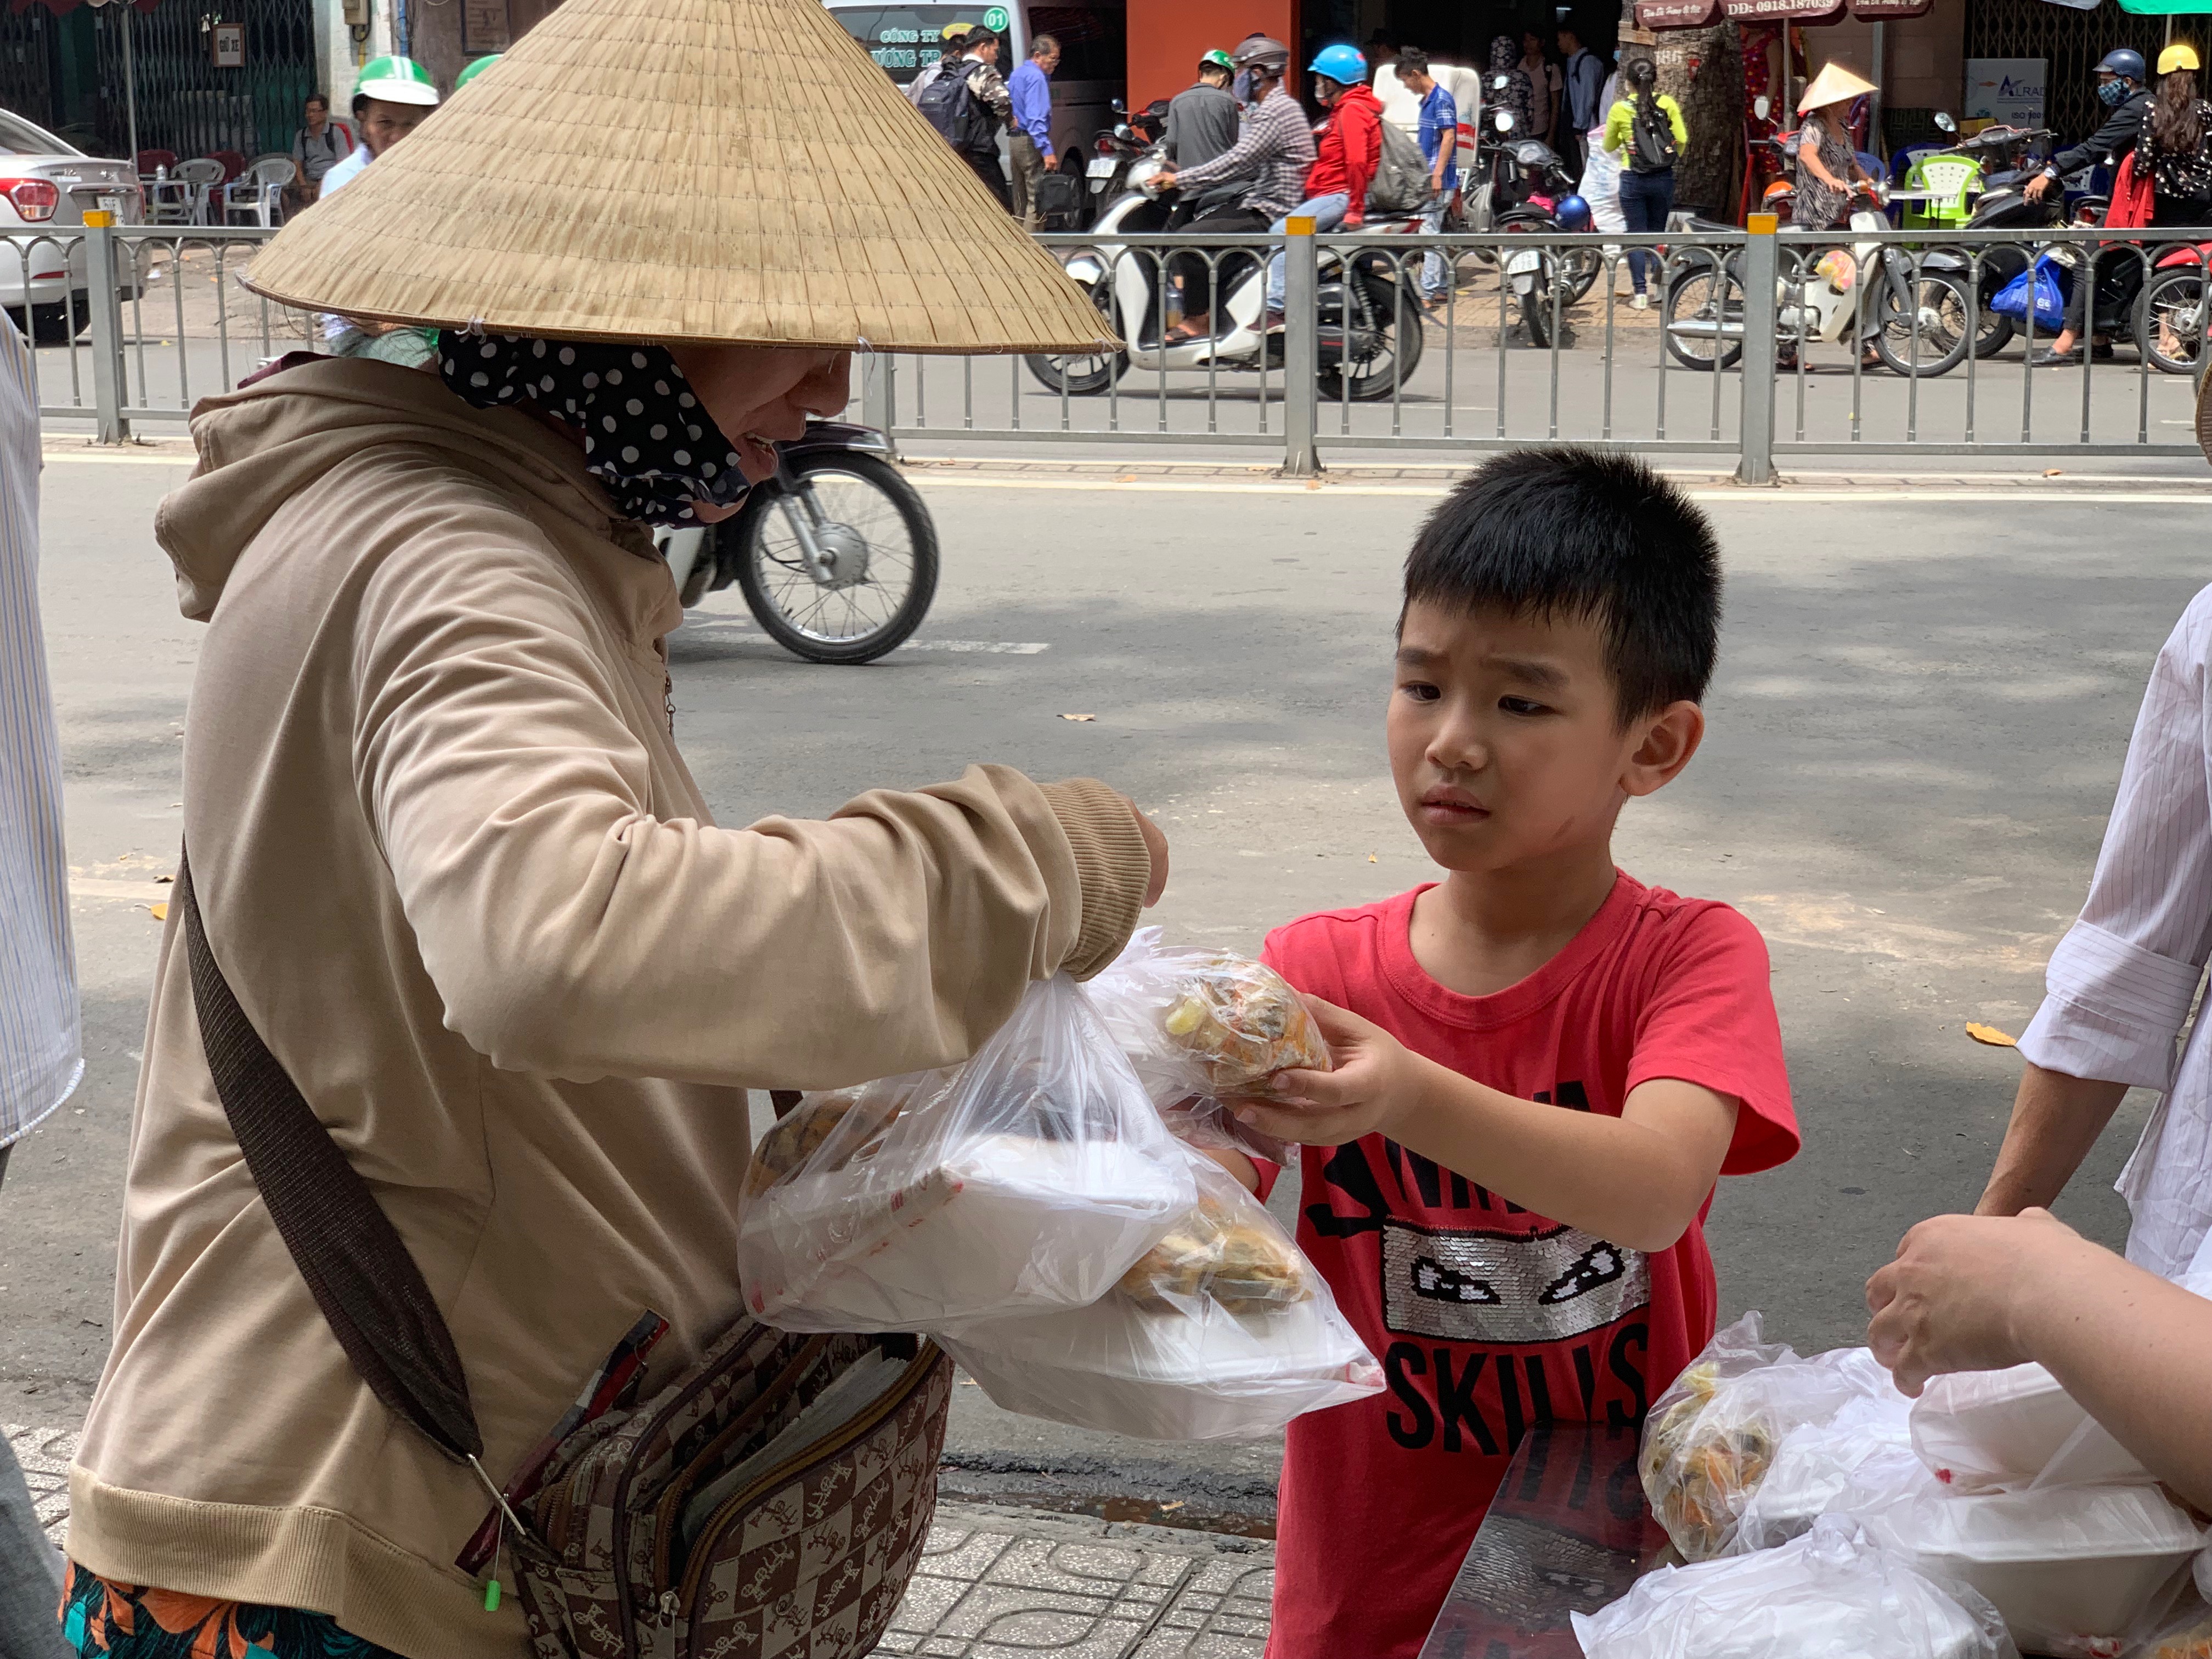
<point x="1922" y="706"/>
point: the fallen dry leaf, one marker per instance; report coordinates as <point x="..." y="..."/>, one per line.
<point x="1079" y="717"/>
<point x="1168" y="1509"/>
<point x="1371" y="858"/>
<point x="163" y="878"/>
<point x="1990" y="1035"/>
<point x="2052" y="472"/>
<point x="160" y="912"/>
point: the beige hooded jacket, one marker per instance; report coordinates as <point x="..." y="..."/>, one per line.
<point x="455" y="871"/>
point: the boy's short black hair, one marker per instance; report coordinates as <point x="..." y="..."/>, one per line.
<point x="1581" y="532"/>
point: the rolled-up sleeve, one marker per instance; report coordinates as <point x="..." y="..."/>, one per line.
<point x="2121" y="982"/>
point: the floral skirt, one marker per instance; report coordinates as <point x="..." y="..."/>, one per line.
<point x="134" y="1621"/>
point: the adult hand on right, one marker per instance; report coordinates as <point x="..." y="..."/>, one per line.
<point x="2038" y="187"/>
<point x="1950" y="1302"/>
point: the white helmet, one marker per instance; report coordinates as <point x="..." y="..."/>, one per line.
<point x="396" y="80"/>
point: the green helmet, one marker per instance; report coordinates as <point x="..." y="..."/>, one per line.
<point x="1217" y="59"/>
<point x="473" y="70"/>
<point x="396" y="80"/>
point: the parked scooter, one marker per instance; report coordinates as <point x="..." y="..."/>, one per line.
<point x="1369" y="339"/>
<point x="1117" y="148"/>
<point x="2008" y="159"/>
<point x="836" y="555"/>
<point x="1545" y="281"/>
<point x="1916" y="323"/>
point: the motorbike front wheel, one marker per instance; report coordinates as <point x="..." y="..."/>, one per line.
<point x="1084" y="374"/>
<point x="2170" y="320"/>
<point x="1536" y="316"/>
<point x="1703" y="302"/>
<point x="872" y="572"/>
<point x="1946" y="319"/>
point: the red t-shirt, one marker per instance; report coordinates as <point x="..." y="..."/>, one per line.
<point x="1487" y="1317"/>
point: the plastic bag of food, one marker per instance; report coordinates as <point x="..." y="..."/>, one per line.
<point x="2185" y="1634"/>
<point x="1029" y="1178"/>
<point x="2000" y="1431"/>
<point x="1204" y="1022"/>
<point x="1863" y="1456"/>
<point x="1222" y="1330"/>
<point x="1833" y="1594"/>
<point x="2072" y="1569"/>
<point x="1712" y="1435"/>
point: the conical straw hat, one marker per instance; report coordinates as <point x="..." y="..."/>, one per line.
<point x="683" y="170"/>
<point x="1832" y="85"/>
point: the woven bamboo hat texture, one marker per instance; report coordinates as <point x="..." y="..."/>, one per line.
<point x="1832" y="85"/>
<point x="734" y="171"/>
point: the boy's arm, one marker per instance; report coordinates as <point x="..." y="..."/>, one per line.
<point x="1637" y="1180"/>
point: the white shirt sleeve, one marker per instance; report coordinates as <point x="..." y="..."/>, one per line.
<point x="2120" y="984"/>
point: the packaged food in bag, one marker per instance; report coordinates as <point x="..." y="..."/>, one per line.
<point x="2185" y="1634"/>
<point x="2000" y="1431"/>
<point x="1204" y="1022"/>
<point x="2072" y="1569"/>
<point x="1027" y="1179"/>
<point x="1833" y="1594"/>
<point x="1859" y="1458"/>
<point x="1712" y="1435"/>
<point x="1222" y="1330"/>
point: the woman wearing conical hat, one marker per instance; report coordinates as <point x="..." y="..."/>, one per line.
<point x="1828" y="170"/>
<point x="447" y="856"/>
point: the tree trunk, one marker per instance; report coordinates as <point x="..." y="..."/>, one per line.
<point x="1702" y="70"/>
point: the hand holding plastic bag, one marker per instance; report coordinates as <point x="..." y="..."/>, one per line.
<point x="1222" y="1330"/>
<point x="1829" y="1594"/>
<point x="1028" y="1179"/>
<point x="1203" y="1021"/>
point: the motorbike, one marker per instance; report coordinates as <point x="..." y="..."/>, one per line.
<point x="1545" y="281"/>
<point x="836" y="555"/>
<point x="1370" y="338"/>
<point x="1918" y="322"/>
<point x="2008" y="159"/>
<point x="1117" y="148"/>
<point x="2170" y="318"/>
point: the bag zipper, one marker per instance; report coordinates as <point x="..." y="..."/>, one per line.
<point x="918" y="1370"/>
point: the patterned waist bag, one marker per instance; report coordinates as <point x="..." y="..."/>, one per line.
<point x="773" y="1499"/>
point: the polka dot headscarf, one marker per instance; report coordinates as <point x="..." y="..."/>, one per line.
<point x="646" y="438"/>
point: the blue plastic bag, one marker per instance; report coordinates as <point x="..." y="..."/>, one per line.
<point x="2049" y="299"/>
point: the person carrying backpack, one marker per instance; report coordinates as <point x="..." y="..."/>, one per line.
<point x="969" y="104"/>
<point x="1645" y="130"/>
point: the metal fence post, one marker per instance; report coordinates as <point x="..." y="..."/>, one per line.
<point x="1301" y="351"/>
<point x="1762" y="272"/>
<point x="103" y="295"/>
<point x="879" y="394"/>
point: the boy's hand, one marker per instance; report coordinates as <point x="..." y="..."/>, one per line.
<point x="1376" y="1079"/>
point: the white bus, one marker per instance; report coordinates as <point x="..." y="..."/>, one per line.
<point x="904" y="37"/>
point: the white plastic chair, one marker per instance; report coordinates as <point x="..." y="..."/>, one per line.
<point x="201" y="177"/>
<point x="256" y="197"/>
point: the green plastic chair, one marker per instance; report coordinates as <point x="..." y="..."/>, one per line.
<point x="1952" y="178"/>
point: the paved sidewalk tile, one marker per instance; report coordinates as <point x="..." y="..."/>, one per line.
<point x="994" y="1584"/>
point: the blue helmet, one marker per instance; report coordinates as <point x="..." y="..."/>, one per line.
<point x="2122" y="61"/>
<point x="1574" y="214"/>
<point x="1346" y="66"/>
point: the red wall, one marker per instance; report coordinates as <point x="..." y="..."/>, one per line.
<point x="1168" y="37"/>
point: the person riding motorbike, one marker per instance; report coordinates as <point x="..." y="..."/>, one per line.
<point x="1349" y="151"/>
<point x="2120" y="88"/>
<point x="1274" y="150"/>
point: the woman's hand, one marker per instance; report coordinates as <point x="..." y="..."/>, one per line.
<point x="1951" y="1300"/>
<point x="1376" y="1077"/>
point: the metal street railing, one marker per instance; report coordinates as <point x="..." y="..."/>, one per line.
<point x="1534" y="337"/>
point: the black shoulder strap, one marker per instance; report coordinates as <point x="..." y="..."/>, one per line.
<point x="345" y="1247"/>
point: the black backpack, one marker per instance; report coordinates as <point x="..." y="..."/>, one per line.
<point x="951" y="108"/>
<point x="1653" y="149"/>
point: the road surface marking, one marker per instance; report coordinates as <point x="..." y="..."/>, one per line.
<point x="1782" y="495"/>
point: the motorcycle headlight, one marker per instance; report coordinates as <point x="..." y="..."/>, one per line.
<point x="1141" y="174"/>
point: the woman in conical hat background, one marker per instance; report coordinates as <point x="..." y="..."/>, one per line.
<point x="448" y="857"/>
<point x="1828" y="170"/>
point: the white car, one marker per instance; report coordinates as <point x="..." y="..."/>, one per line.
<point x="46" y="188"/>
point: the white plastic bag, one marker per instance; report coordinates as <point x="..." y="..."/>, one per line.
<point x="2186" y="1634"/>
<point x="1982" y="1431"/>
<point x="1712" y="1435"/>
<point x="1029" y="1178"/>
<point x="1861" y="1457"/>
<point x="1222" y="1330"/>
<point x="1829" y="1594"/>
<point x="2073" y="1569"/>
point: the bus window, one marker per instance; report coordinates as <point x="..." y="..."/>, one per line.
<point x="906" y="39"/>
<point x="1094" y="42"/>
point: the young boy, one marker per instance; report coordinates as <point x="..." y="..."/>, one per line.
<point x="1541" y="1065"/>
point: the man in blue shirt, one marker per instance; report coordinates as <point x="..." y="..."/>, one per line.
<point x="1030" y="141"/>
<point x="1439" y="144"/>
